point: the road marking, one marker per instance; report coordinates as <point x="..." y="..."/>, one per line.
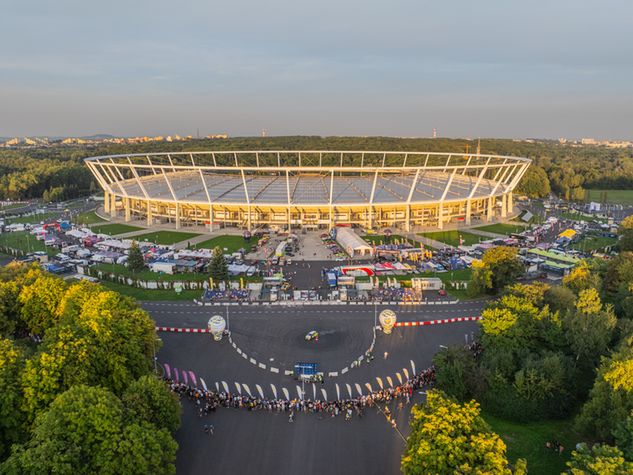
<point x="274" y="370"/>
<point x="262" y="365"/>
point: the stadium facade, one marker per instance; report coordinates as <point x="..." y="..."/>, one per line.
<point x="308" y="189"/>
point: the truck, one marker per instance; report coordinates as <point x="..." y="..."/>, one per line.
<point x="308" y="372"/>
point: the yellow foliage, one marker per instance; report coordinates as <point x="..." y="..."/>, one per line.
<point x="496" y="321"/>
<point x="620" y="375"/>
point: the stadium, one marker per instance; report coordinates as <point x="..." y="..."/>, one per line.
<point x="308" y="189"/>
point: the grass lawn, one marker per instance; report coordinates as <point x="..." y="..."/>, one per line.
<point x="593" y="243"/>
<point x="147" y="274"/>
<point x="35" y="218"/>
<point x="501" y="228"/>
<point x="26" y="242"/>
<point x="89" y="218"/>
<point x="114" y="229"/>
<point x="452" y="237"/>
<point x="166" y="237"/>
<point x="527" y="440"/>
<point x="12" y="206"/>
<point x="227" y="243"/>
<point x="580" y="217"/>
<point x="624" y="197"/>
<point x="144" y="294"/>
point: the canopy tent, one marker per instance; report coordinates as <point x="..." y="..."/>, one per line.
<point x="353" y="244"/>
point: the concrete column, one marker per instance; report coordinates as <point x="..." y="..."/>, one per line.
<point x="289" y="223"/>
<point x="407" y="223"/>
<point x="490" y="209"/>
<point x="177" y="216"/>
<point x="469" y="206"/>
<point x="128" y="211"/>
<point x="150" y="220"/>
<point x="248" y="219"/>
<point x="504" y="205"/>
<point x="440" y="216"/>
<point x="106" y="202"/>
<point x="113" y="206"/>
<point x="510" y="203"/>
<point x="211" y="218"/>
<point x="370" y="218"/>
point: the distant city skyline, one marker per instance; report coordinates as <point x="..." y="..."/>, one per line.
<point x="469" y="69"/>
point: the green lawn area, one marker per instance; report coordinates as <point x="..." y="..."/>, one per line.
<point x="166" y="237"/>
<point x="581" y="217"/>
<point x="114" y="229"/>
<point x="593" y="243"/>
<point x="452" y="237"/>
<point x="26" y="242"/>
<point x="501" y="228"/>
<point x="527" y="440"/>
<point x="230" y="243"/>
<point x="89" y="218"/>
<point x="12" y="206"/>
<point x="35" y="219"/>
<point x="148" y="275"/>
<point x="143" y="294"/>
<point x="624" y="197"/>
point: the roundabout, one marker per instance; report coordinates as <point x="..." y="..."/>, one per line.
<point x="275" y="338"/>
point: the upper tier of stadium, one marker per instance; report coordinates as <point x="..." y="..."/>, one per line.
<point x="264" y="182"/>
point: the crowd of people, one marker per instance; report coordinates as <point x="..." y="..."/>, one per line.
<point x="208" y="401"/>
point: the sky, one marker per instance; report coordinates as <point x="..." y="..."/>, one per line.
<point x="487" y="68"/>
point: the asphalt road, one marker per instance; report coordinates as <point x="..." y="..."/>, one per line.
<point x="253" y="442"/>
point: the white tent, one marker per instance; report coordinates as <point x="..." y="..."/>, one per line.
<point x="352" y="243"/>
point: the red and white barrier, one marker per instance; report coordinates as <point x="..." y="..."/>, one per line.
<point x="437" y="322"/>
<point x="398" y="324"/>
<point x="182" y="330"/>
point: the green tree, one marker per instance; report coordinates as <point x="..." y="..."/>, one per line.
<point x="504" y="266"/>
<point x="581" y="278"/>
<point x="611" y="397"/>
<point x="217" y="267"/>
<point x="535" y="183"/>
<point x="447" y="437"/>
<point x="9" y="307"/>
<point x="11" y="415"/>
<point x="135" y="261"/>
<point x="560" y="299"/>
<point x="149" y="399"/>
<point x="39" y="301"/>
<point x="598" y="460"/>
<point x="85" y="430"/>
<point x="589" y="329"/>
<point x="79" y="350"/>
<point x="455" y="371"/>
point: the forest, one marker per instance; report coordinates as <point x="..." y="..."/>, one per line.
<point x="567" y="170"/>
